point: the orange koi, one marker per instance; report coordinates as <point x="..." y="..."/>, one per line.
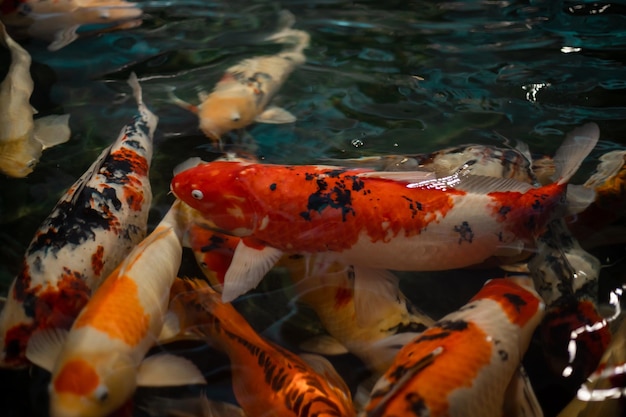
<point x="463" y="364"/>
<point x="101" y="217"/>
<point x="244" y="92"/>
<point x="267" y="379"/>
<point x="379" y="220"/>
<point x="22" y="138"/>
<point x="97" y="365"/>
<point x="58" y="21"/>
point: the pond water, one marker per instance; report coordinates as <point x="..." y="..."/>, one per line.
<point x="381" y="77"/>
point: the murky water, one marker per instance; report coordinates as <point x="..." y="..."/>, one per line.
<point x="390" y="77"/>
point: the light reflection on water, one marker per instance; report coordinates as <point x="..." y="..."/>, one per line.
<point x="389" y="77"/>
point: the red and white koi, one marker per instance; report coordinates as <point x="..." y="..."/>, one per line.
<point x="97" y="365"/>
<point x="463" y="364"/>
<point x="243" y="94"/>
<point x="372" y="334"/>
<point x="267" y="379"/>
<point x="92" y="228"/>
<point x="372" y="219"/>
<point x="57" y="21"/>
<point x="22" y="138"/>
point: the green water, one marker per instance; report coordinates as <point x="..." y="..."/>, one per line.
<point x="381" y="78"/>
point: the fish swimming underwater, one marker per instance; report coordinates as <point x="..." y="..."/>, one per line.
<point x="58" y="22"/>
<point x="346" y="314"/>
<point x="372" y="219"/>
<point x="267" y="379"/>
<point x="243" y="94"/>
<point x="463" y="364"/>
<point x="101" y="217"/>
<point x="97" y="365"/>
<point x="22" y="138"/>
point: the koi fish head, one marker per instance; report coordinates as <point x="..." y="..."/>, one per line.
<point x="219" y="115"/>
<point x="92" y="386"/>
<point x="18" y="157"/>
<point x="216" y="191"/>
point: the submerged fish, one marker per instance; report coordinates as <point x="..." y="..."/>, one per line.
<point x="463" y="364"/>
<point x="22" y="138"/>
<point x="267" y="379"/>
<point x="94" y="225"/>
<point x="199" y="406"/>
<point x="243" y="94"/>
<point x="58" y="22"/>
<point x="372" y="334"/>
<point x="97" y="365"/>
<point x="372" y="219"/>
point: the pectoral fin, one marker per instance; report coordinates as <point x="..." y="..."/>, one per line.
<point x="64" y="37"/>
<point x="251" y="261"/>
<point x="164" y="369"/>
<point x="373" y="287"/>
<point x="520" y="399"/>
<point x="324" y="345"/>
<point x="275" y="115"/>
<point x="52" y="130"/>
<point x="44" y="347"/>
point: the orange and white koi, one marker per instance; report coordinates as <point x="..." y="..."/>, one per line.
<point x="243" y="94"/>
<point x="22" y="138"/>
<point x="267" y="379"/>
<point x="463" y="364"/>
<point x="97" y="365"/>
<point x="101" y="217"/>
<point x="372" y="219"/>
<point x="58" y="21"/>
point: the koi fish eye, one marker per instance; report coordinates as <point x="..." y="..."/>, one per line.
<point x="197" y="194"/>
<point x="101" y="393"/>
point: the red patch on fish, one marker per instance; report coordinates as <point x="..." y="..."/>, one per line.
<point x="213" y="251"/>
<point x="138" y="164"/>
<point x="343" y="296"/>
<point x="97" y="260"/>
<point x="15" y="341"/>
<point x="58" y="306"/>
<point x="76" y="377"/>
<point x="517" y="303"/>
<point x="325" y="209"/>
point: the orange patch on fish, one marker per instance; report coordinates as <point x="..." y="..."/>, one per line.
<point x="343" y="296"/>
<point x="116" y="310"/>
<point x="97" y="260"/>
<point x="517" y="303"/>
<point x="133" y="194"/>
<point x="138" y="164"/>
<point x="456" y="367"/>
<point x="76" y="377"/>
<point x="213" y="251"/>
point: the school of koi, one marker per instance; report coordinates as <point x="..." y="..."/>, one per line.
<point x="97" y="293"/>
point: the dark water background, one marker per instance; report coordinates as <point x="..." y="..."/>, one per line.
<point x="382" y="77"/>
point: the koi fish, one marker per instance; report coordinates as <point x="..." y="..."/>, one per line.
<point x="267" y="379"/>
<point x="243" y="94"/>
<point x="604" y="391"/>
<point x="345" y="312"/>
<point x="97" y="365"/>
<point x="22" y="138"/>
<point x="380" y="220"/>
<point x="58" y="21"/>
<point x="463" y="364"/>
<point x="485" y="160"/>
<point x="101" y="217"/>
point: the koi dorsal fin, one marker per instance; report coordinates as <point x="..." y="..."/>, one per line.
<point x="570" y="155"/>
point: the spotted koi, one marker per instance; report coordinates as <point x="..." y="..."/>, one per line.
<point x="378" y="220"/>
<point x="92" y="228"/>
<point x="244" y="92"/>
<point x="438" y="374"/>
<point x="97" y="365"/>
<point x="353" y="326"/>
<point x="267" y="379"/>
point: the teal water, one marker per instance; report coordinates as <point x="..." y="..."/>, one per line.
<point x="392" y="77"/>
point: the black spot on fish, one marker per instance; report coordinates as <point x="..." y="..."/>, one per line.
<point x="398" y="372"/>
<point x="454" y="325"/>
<point x="135" y="144"/>
<point x="414" y="206"/>
<point x="515" y="300"/>
<point x="357" y="183"/>
<point x="309" y="177"/>
<point x="425" y="337"/>
<point x="504" y="356"/>
<point x="273" y="186"/>
<point x="416" y="404"/>
<point x="338" y="197"/>
<point x="503" y="211"/>
<point x="215" y="242"/>
<point x="410" y="327"/>
<point x="465" y="232"/>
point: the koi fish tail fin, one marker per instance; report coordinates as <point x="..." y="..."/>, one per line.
<point x="149" y="118"/>
<point x="297" y="40"/>
<point x="576" y="147"/>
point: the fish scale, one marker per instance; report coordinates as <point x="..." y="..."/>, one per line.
<point x="91" y="229"/>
